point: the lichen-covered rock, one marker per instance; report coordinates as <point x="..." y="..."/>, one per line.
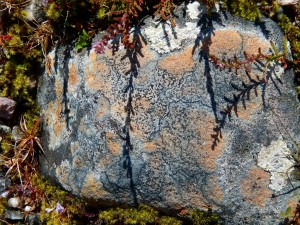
<point x="7" y="108"/>
<point x="152" y="125"/>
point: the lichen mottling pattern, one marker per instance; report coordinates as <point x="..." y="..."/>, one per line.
<point x="255" y="187"/>
<point x="160" y="136"/>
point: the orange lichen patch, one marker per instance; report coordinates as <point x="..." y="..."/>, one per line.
<point x="103" y="108"/>
<point x="255" y="187"/>
<point x="250" y="108"/>
<point x="58" y="124"/>
<point x="104" y="162"/>
<point x="179" y="63"/>
<point x="146" y="55"/>
<point x="48" y="114"/>
<point x="141" y="104"/>
<point x="223" y="42"/>
<point x="167" y="137"/>
<point x="197" y="199"/>
<point x="215" y="190"/>
<point x="53" y="115"/>
<point x="118" y="110"/>
<point x="63" y="172"/>
<point x="203" y="125"/>
<point x="49" y="63"/>
<point x="137" y="131"/>
<point x="93" y="56"/>
<point x="74" y="147"/>
<point x="252" y="43"/>
<point x="152" y="145"/>
<point x="144" y="77"/>
<point x="93" y="187"/>
<point x="82" y="127"/>
<point x="172" y="197"/>
<point x="78" y="163"/>
<point x="97" y="76"/>
<point x="73" y="76"/>
<point x="113" y="145"/>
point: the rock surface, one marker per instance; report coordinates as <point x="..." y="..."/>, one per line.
<point x="288" y="2"/>
<point x="150" y="125"/>
<point x="14" y="215"/>
<point x="7" y="108"/>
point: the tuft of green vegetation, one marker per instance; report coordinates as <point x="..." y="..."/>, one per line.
<point x="142" y="215"/>
<point x="204" y="218"/>
<point x="82" y="41"/>
<point x="292" y="32"/>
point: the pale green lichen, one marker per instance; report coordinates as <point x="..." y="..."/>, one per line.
<point x="277" y="160"/>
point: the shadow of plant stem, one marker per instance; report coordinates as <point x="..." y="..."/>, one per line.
<point x="132" y="55"/>
<point x="24" y="161"/>
<point x="267" y="64"/>
<point x="243" y="93"/>
<point x="206" y="23"/>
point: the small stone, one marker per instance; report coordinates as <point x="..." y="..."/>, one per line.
<point x="49" y="210"/>
<point x="17" y="133"/>
<point x="35" y="10"/>
<point x="27" y="208"/>
<point x="5" y="194"/>
<point x="14" y="215"/>
<point x="14" y="202"/>
<point x="288" y="2"/>
<point x="5" y="129"/>
<point x="33" y="219"/>
<point x="7" y="108"/>
<point x="4" y="183"/>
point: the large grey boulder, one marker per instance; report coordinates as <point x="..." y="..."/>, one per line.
<point x="153" y="125"/>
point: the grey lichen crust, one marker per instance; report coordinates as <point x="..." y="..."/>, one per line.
<point x="150" y="126"/>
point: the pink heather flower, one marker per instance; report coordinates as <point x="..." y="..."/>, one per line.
<point x="59" y="209"/>
<point x="99" y="47"/>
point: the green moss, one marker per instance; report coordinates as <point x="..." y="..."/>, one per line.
<point x="6" y="146"/>
<point x="246" y="9"/>
<point x="204" y="218"/>
<point x="166" y="220"/>
<point x="3" y="205"/>
<point x="52" y="195"/>
<point x="142" y="215"/>
<point x="292" y="33"/>
<point x="53" y="11"/>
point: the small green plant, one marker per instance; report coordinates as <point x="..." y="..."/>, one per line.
<point x="291" y="217"/>
<point x="82" y="41"/>
<point x="23" y="162"/>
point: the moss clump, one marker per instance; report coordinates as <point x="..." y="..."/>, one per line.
<point x="54" y="205"/>
<point x="292" y="32"/>
<point x="204" y="218"/>
<point x="142" y="215"/>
